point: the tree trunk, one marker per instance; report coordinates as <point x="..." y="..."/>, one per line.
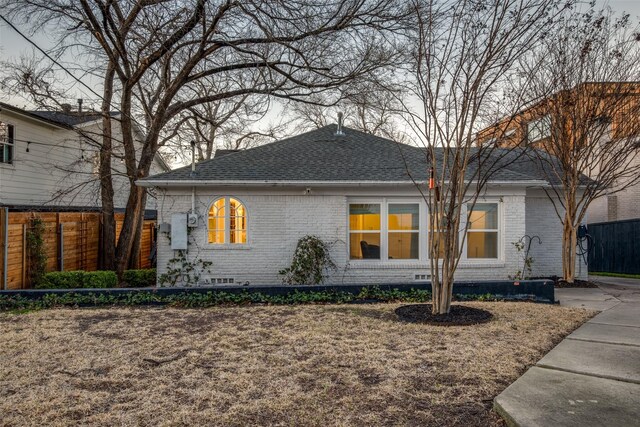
<point x="108" y="254"/>
<point x="569" y="240"/>
<point x="133" y="218"/>
<point x="134" y="258"/>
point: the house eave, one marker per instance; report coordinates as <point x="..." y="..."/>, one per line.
<point x="275" y="183"/>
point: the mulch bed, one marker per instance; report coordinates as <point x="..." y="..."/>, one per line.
<point x="575" y="284"/>
<point x="459" y="315"/>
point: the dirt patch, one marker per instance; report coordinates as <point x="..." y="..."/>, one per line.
<point x="459" y="315"/>
<point x="330" y="365"/>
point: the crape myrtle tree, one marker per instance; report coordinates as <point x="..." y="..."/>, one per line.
<point x="158" y="50"/>
<point x="587" y="74"/>
<point x="462" y="55"/>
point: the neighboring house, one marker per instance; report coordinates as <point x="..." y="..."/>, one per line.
<point x="353" y="191"/>
<point x="48" y="159"/>
<point x="616" y="103"/>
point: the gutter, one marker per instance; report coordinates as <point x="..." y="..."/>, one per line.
<point x="276" y="183"/>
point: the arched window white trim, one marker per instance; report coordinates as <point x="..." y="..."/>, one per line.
<point x="227" y="222"/>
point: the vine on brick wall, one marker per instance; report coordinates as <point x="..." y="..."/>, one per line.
<point x="310" y="260"/>
<point x="36" y="251"/>
<point x="180" y="270"/>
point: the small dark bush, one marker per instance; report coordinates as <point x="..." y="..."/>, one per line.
<point x="78" y="279"/>
<point x="139" y="278"/>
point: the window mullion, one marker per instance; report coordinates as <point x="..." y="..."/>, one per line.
<point x="227" y="221"/>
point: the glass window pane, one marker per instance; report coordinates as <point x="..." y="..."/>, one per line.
<point x="217" y="209"/>
<point x="364" y="246"/>
<point x="404" y="216"/>
<point x="238" y="236"/>
<point x="484" y="217"/>
<point x="482" y="244"/>
<point x="403" y="245"/>
<point x="216" y="236"/>
<point x="364" y="217"/>
<point x="216" y="223"/>
<point x="235" y="208"/>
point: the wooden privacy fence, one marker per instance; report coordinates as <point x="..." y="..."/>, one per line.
<point x="615" y="247"/>
<point x="71" y="242"/>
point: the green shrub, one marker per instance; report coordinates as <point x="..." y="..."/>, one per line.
<point x="62" y="280"/>
<point x="139" y="278"/>
<point x="78" y="279"/>
<point x="100" y="279"/>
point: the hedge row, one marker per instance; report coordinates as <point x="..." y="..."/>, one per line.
<point x="97" y="279"/>
<point x="209" y="299"/>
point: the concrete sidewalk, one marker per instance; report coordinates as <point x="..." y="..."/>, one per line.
<point x="592" y="378"/>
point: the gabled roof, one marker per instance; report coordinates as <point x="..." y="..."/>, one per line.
<point x="72" y="118"/>
<point x="221" y="152"/>
<point x="31" y="115"/>
<point x="322" y="156"/>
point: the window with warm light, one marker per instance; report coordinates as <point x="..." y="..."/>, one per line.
<point x="482" y="231"/>
<point x="403" y="223"/>
<point x="364" y="231"/>
<point x="227" y="222"/>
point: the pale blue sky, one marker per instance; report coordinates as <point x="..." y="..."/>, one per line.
<point x="12" y="45"/>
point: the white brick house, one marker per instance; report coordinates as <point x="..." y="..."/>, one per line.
<point x="353" y="192"/>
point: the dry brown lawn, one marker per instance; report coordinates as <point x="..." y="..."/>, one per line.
<point x="259" y="365"/>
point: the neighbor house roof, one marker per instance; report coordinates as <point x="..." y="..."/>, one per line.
<point x="322" y="156"/>
<point x="31" y="115"/>
<point x="71" y="118"/>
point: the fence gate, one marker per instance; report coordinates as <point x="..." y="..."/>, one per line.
<point x="616" y="247"/>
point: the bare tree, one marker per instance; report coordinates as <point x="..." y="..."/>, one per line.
<point x="371" y="107"/>
<point x="232" y="124"/>
<point x="462" y="55"/>
<point x="158" y="51"/>
<point x="585" y="77"/>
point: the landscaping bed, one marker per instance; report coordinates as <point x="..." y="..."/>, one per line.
<point x="312" y="365"/>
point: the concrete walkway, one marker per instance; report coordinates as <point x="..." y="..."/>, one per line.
<point x="592" y="378"/>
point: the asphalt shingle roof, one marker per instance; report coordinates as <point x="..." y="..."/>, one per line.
<point x="321" y="155"/>
<point x="71" y="118"/>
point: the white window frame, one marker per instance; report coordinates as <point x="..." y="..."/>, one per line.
<point x="541" y="126"/>
<point x="499" y="230"/>
<point x="384" y="203"/>
<point x="4" y="143"/>
<point x="423" y="251"/>
<point x="227" y="223"/>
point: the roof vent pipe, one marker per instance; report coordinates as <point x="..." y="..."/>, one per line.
<point x="193" y="157"/>
<point x="79" y="105"/>
<point x="339" y="131"/>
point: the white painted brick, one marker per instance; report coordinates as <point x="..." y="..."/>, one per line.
<point x="276" y="222"/>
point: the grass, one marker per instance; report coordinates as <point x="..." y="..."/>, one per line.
<point x="628" y="276"/>
<point x="312" y="365"/>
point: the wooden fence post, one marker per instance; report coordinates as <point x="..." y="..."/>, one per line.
<point x="23" y="285"/>
<point x="60" y="247"/>
<point x="4" y="245"/>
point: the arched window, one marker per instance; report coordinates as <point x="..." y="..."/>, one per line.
<point x="227" y="221"/>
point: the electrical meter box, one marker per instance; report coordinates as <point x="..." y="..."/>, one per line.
<point x="192" y="220"/>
